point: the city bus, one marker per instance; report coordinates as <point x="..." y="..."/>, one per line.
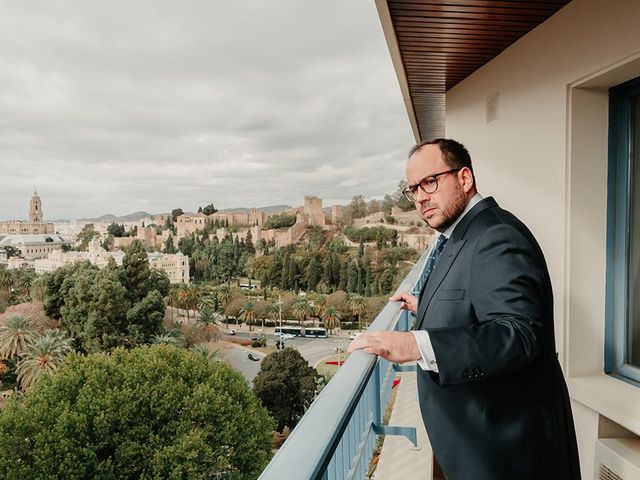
<point x="315" y="332"/>
<point x="295" y="331"/>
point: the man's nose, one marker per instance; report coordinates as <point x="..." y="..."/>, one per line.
<point x="422" y="196"/>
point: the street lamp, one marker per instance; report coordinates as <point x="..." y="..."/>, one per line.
<point x="279" y="303"/>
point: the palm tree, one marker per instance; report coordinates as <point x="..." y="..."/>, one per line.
<point x="193" y="297"/>
<point x="172" y="299"/>
<point x="208" y="321"/>
<point x="172" y="337"/>
<point x="43" y="355"/>
<point x="224" y="294"/>
<point x="301" y="308"/>
<point x="248" y="312"/>
<point x="24" y="283"/>
<point x="206" y="352"/>
<point x="208" y="300"/>
<point x="182" y="294"/>
<point x="6" y="279"/>
<point x="15" y="335"/>
<point x="331" y="318"/>
<point x="38" y="290"/>
<point x="357" y="305"/>
<point x="188" y="296"/>
<point x="321" y="303"/>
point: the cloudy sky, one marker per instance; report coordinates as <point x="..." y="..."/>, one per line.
<point x="119" y="106"/>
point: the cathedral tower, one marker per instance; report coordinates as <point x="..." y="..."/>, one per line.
<point x="35" y="208"/>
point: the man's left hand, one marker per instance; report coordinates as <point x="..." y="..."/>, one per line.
<point x="397" y="347"/>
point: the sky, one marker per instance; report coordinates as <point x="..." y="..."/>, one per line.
<point x="121" y="106"/>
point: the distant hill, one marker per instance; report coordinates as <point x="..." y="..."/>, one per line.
<point x="136" y="216"/>
<point x="110" y="218"/>
<point x="269" y="209"/>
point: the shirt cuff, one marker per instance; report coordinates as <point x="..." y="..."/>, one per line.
<point x="428" y="361"/>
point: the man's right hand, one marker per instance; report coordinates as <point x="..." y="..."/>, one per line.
<point x="407" y="302"/>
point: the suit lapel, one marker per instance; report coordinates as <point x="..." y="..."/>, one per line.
<point x="445" y="261"/>
<point x="449" y="254"/>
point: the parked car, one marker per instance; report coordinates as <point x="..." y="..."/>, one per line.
<point x="230" y="332"/>
<point x="354" y="335"/>
<point x="253" y="357"/>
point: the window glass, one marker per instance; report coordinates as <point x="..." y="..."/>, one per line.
<point x="633" y="317"/>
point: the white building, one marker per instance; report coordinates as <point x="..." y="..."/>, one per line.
<point x="95" y="254"/>
<point x="34" y="246"/>
<point x="176" y="266"/>
<point x="551" y="123"/>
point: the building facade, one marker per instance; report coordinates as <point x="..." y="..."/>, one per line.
<point x="175" y="266"/>
<point x="34" y="226"/>
<point x="34" y="246"/>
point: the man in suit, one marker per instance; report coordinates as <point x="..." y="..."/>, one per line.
<point x="492" y="395"/>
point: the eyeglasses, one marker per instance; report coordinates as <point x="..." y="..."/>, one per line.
<point x="427" y="185"/>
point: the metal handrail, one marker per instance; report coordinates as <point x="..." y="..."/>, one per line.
<point x="324" y="445"/>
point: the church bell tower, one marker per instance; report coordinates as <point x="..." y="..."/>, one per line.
<point x="35" y="208"/>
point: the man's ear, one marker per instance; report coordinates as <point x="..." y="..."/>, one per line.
<point x="467" y="179"/>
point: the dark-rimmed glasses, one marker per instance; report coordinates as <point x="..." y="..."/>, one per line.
<point x="427" y="185"/>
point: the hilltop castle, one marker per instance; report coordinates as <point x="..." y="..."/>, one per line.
<point x="35" y="225"/>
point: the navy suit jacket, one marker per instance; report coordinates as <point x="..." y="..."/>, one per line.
<point x="499" y="407"/>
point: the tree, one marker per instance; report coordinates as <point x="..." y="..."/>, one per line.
<point x="42" y="356"/>
<point x="119" y="416"/>
<point x="367" y="285"/>
<point x="209" y="209"/>
<point x="106" y="314"/>
<point x="331" y="318"/>
<point x="286" y="386"/>
<point x="352" y="276"/>
<point x="248" y="242"/>
<point x="208" y="321"/>
<point x="87" y="233"/>
<point x="175" y="213"/>
<point x="116" y="230"/>
<point x="358" y="207"/>
<point x="169" y="247"/>
<point x="283" y="220"/>
<point x="145" y="317"/>
<point x="386" y="282"/>
<point x="12" y="251"/>
<point x="136" y="272"/>
<point x="15" y="335"/>
<point x="357" y="305"/>
<point x="301" y="309"/>
<point x="313" y="273"/>
<point x="248" y="312"/>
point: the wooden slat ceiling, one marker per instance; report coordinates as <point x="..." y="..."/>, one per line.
<point x="443" y="42"/>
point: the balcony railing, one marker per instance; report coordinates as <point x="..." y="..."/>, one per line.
<point x="336" y="437"/>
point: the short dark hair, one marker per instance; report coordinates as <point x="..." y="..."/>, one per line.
<point x="454" y="153"/>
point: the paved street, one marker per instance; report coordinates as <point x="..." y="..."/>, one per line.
<point x="312" y="349"/>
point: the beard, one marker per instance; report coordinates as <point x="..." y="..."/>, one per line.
<point x="449" y="212"/>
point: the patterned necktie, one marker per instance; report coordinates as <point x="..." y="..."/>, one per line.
<point x="431" y="263"/>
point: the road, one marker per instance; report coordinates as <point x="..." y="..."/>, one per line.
<point x="312" y="349"/>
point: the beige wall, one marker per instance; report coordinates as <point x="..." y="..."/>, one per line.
<point x="545" y="158"/>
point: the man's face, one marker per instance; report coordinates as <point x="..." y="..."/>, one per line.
<point x="442" y="207"/>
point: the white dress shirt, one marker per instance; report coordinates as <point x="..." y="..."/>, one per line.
<point x="428" y="361"/>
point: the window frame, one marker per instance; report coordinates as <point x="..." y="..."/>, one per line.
<point x="619" y="197"/>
